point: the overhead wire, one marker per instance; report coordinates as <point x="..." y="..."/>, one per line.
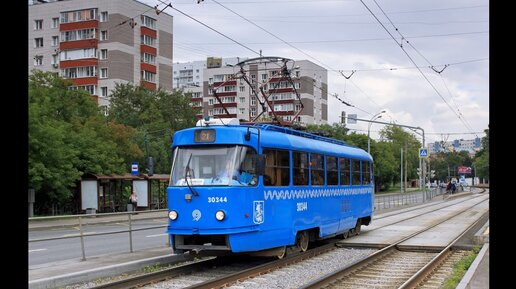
<point x="412" y="60"/>
<point x="211" y="28"/>
<point x="460" y="115"/>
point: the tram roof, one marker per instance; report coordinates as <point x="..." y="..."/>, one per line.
<point x="272" y="136"/>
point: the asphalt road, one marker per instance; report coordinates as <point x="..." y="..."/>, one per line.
<point x="65" y="249"/>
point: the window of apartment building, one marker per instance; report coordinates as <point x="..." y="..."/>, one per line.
<point x="103" y="72"/>
<point x="92" y="89"/>
<point x="253" y="78"/>
<point x="55" y="40"/>
<point x="298" y="73"/>
<point x="78" y="54"/>
<point x="148" y="22"/>
<point x="38" y="42"/>
<point x="80" y="34"/>
<point x="147" y="40"/>
<point x="242" y="88"/>
<point x="79" y="72"/>
<point x="148" y="76"/>
<point x="253" y="101"/>
<point x="210" y="101"/>
<point x="55" y="22"/>
<point x="80" y="15"/>
<point x="219" y="77"/>
<point x="241" y="110"/>
<point x="229" y="88"/>
<point x="298" y="107"/>
<point x="210" y="80"/>
<point x="297" y="85"/>
<point x="55" y="60"/>
<point x="229" y="99"/>
<point x="264" y="76"/>
<point x="103" y="35"/>
<point x="148" y="58"/>
<point x="253" y="111"/>
<point x="103" y="54"/>
<point x="103" y="91"/>
<point x="241" y="99"/>
<point x="38" y="24"/>
<point x="38" y="60"/>
<point x="103" y="16"/>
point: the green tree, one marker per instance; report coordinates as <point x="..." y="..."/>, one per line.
<point x="402" y="139"/>
<point x="386" y="166"/>
<point x="481" y="160"/>
<point x="155" y="115"/>
<point x="68" y="136"/>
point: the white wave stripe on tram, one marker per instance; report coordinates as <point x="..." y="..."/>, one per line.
<point x="314" y="193"/>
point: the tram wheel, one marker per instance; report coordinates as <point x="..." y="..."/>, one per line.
<point x="283" y="252"/>
<point x="302" y="240"/>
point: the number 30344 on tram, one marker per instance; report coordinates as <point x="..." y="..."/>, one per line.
<point x="263" y="189"/>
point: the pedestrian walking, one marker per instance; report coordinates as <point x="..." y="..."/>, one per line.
<point x="134" y="200"/>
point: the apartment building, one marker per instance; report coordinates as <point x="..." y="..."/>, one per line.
<point x="472" y="146"/>
<point x="98" y="43"/>
<point x="202" y="77"/>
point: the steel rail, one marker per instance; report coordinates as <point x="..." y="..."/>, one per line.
<point x="333" y="276"/>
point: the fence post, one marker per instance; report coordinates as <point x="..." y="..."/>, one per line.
<point x="82" y="239"/>
<point x="130" y="233"/>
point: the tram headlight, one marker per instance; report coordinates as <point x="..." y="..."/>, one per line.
<point x="172" y="215"/>
<point x="220" y="215"/>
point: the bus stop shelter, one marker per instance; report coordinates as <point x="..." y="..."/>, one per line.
<point x="110" y="193"/>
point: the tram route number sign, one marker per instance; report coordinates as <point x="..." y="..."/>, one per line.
<point x="204" y="135"/>
<point x="423" y="152"/>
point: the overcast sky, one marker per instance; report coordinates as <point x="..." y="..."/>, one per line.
<point x="342" y="35"/>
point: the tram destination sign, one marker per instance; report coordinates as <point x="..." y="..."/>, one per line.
<point x="204" y="135"/>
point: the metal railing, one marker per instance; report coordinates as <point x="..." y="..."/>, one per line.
<point x="387" y="201"/>
<point x="38" y="223"/>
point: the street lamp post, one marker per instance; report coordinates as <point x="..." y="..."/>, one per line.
<point x="376" y="116"/>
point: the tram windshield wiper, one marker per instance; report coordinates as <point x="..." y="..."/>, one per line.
<point x="187" y="170"/>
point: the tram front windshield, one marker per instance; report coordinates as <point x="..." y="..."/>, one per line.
<point x="214" y="166"/>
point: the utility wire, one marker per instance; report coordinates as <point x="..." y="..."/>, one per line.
<point x="412" y="60"/>
<point x="209" y="27"/>
<point x="461" y="116"/>
<point x="270" y="33"/>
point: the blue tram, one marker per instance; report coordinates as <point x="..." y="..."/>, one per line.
<point x="264" y="189"/>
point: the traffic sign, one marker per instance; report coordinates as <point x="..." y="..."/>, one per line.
<point x="352" y="118"/>
<point x="423" y="152"/>
<point x="134" y="168"/>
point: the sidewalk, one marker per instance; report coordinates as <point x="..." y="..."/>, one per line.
<point x="59" y="274"/>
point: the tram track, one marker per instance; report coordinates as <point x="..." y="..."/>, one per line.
<point x="217" y="274"/>
<point x="397" y="267"/>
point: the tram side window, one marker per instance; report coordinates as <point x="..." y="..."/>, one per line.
<point x="355" y="165"/>
<point x="317" y="165"/>
<point x="366" y="173"/>
<point x="345" y="175"/>
<point x="277" y="168"/>
<point x="300" y="168"/>
<point x="332" y="173"/>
